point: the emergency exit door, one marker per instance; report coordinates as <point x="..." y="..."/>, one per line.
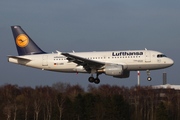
<point x="148" y="56"/>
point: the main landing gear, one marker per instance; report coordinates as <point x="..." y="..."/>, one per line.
<point x="95" y="80"/>
<point x="148" y="73"/>
<point x="92" y="79"/>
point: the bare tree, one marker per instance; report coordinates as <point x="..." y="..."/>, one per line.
<point x="27" y="95"/>
<point x="60" y="99"/>
<point x="170" y="94"/>
<point x="9" y="93"/>
<point x="7" y="111"/>
<point x="48" y="96"/>
<point x="37" y="101"/>
<point x="61" y="91"/>
<point x="105" y="90"/>
<point x="61" y="87"/>
<point x="73" y="91"/>
<point x="92" y="88"/>
<point x="153" y="99"/>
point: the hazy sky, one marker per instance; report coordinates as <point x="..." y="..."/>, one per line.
<point x="90" y="25"/>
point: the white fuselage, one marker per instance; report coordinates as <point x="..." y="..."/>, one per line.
<point x="131" y="60"/>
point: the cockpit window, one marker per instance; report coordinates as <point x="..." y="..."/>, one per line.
<point x="161" y="55"/>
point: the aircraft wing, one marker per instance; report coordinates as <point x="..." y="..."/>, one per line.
<point x="86" y="63"/>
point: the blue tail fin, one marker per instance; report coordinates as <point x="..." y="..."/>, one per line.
<point x="25" y="45"/>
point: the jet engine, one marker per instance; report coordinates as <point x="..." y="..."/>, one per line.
<point x="124" y="75"/>
<point x="113" y="70"/>
<point x="116" y="71"/>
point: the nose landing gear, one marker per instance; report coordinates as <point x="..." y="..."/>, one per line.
<point x="148" y="73"/>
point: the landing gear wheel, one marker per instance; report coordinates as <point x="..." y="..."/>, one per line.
<point x="91" y="79"/>
<point x="148" y="73"/>
<point x="97" y="81"/>
<point x="149" y="78"/>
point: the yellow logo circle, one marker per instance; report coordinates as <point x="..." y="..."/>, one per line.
<point x="22" y="40"/>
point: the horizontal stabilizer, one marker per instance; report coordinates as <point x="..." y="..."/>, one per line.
<point x="16" y="57"/>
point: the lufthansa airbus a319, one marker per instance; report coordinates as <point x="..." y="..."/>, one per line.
<point x="113" y="63"/>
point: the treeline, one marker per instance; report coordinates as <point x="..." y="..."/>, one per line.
<point x="63" y="101"/>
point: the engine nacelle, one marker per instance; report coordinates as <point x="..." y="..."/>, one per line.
<point x="114" y="70"/>
<point x="124" y="75"/>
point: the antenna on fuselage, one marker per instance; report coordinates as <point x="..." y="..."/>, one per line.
<point x="59" y="53"/>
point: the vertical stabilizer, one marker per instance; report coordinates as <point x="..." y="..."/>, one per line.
<point x="25" y="45"/>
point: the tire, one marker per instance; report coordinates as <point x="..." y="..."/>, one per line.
<point x="97" y="81"/>
<point x="91" y="79"/>
<point x="149" y="78"/>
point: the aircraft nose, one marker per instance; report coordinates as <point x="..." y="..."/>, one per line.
<point x="170" y="62"/>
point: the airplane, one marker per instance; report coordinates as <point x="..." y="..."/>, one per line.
<point x="113" y="63"/>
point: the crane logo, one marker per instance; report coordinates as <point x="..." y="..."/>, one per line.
<point x="22" y="40"/>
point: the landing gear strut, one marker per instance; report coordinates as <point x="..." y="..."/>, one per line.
<point x="97" y="80"/>
<point x="92" y="79"/>
<point x="148" y="73"/>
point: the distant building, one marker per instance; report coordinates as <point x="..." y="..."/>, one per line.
<point x="167" y="91"/>
<point x="176" y="87"/>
